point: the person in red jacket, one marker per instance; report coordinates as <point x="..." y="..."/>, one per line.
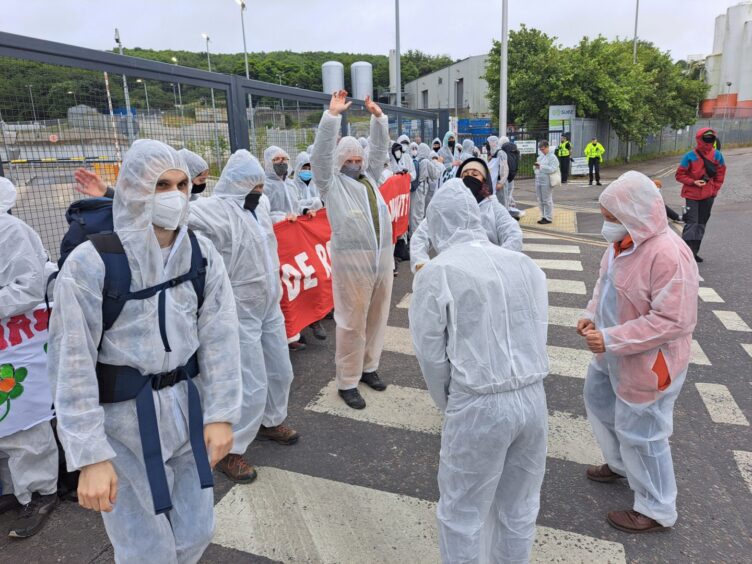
<point x="701" y="174"/>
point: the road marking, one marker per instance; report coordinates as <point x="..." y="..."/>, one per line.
<point x="564" y="220"/>
<point x="540" y="248"/>
<point x="566" y="286"/>
<point x="720" y="404"/>
<point x="398" y="340"/>
<point x="709" y="295"/>
<point x="748" y="348"/>
<point x="564" y="361"/>
<point x="569" y="436"/>
<point x="698" y="355"/>
<point x="532" y="235"/>
<point x="292" y="517"/>
<point x="404" y="303"/>
<point x="552" y="264"/>
<point x="564" y="316"/>
<point x="732" y="321"/>
<point x="744" y="462"/>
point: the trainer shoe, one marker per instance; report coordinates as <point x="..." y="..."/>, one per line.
<point x="33" y="516"/>
<point x="352" y="398"/>
<point x="281" y="434"/>
<point x="237" y="469"/>
<point x="318" y="331"/>
<point x="372" y="380"/>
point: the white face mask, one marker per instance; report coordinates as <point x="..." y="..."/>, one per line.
<point x="613" y="232"/>
<point x="169" y="209"/>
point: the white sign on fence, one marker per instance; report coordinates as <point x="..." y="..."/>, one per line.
<point x="527" y="147"/>
<point x="579" y="166"/>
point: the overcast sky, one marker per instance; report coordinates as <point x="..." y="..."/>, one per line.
<point x="459" y="28"/>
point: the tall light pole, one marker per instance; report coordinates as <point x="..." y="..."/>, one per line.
<point x="634" y="42"/>
<point x="503" y="70"/>
<point x="146" y="94"/>
<point x="75" y="100"/>
<point x="129" y="118"/>
<point x="214" y="106"/>
<point x="725" y="109"/>
<point x="241" y="3"/>
<point x="180" y="94"/>
<point x="33" y="109"/>
<point x="279" y="79"/>
<point x="397" y="63"/>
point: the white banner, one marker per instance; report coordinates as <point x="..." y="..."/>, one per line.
<point x="25" y="395"/>
<point x="579" y="166"/>
<point x="527" y="147"/>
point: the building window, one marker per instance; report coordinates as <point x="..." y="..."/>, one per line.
<point x="424" y="99"/>
<point x="441" y="81"/>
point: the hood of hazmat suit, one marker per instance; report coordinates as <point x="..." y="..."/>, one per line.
<point x="282" y="193"/>
<point x="91" y="432"/>
<point x="361" y="245"/>
<point x="493" y="143"/>
<point x="249" y="249"/>
<point x="195" y="163"/>
<point x="645" y="301"/>
<point x="468" y="150"/>
<point x="308" y="194"/>
<point x="446" y="152"/>
<point x="22" y="259"/>
<point x="645" y="305"/>
<point x="478" y="319"/>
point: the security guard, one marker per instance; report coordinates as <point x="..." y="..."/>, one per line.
<point x="563" y="152"/>
<point x="594" y="153"/>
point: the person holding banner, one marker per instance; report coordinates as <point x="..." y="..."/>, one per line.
<point x="361" y="244"/>
<point x="237" y="220"/>
<point x="28" y="452"/>
<point x="309" y="196"/>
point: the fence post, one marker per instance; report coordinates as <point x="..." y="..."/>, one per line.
<point x="443" y="123"/>
<point x="237" y="118"/>
<point x="343" y="127"/>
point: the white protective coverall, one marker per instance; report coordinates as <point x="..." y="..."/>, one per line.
<point x="249" y="250"/>
<point x="479" y="319"/>
<point x="645" y="304"/>
<point x="93" y="433"/>
<point x="28" y="458"/>
<point x="426" y="175"/>
<point x="497" y="164"/>
<point x="506" y="196"/>
<point x="548" y="165"/>
<point x="501" y="229"/>
<point x="309" y="197"/>
<point x="361" y="251"/>
<point x="406" y="162"/>
<point x="282" y="193"/>
<point x="195" y="164"/>
<point x="468" y="150"/>
<point x="446" y="152"/>
<point x="438" y="169"/>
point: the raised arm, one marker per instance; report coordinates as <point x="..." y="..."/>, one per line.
<point x="322" y="158"/>
<point x="378" y="141"/>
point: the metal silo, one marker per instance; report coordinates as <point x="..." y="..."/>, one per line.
<point x="333" y="76"/>
<point x="361" y="75"/>
<point x="736" y="16"/>
<point x="720" y="33"/>
<point x="745" y="70"/>
<point x="713" y="74"/>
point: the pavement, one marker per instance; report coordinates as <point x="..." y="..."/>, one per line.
<point x="360" y="486"/>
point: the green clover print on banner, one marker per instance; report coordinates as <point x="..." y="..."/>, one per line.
<point x="10" y="386"/>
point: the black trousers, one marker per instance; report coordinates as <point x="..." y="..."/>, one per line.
<point x="695" y="221"/>
<point x="564" y="168"/>
<point x="594" y="165"/>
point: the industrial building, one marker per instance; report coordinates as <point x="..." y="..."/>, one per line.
<point x="728" y="70"/>
<point x="459" y="87"/>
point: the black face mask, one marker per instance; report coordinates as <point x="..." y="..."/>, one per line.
<point x="436" y="148"/>
<point x="475" y="186"/>
<point x="198" y="188"/>
<point x="450" y="144"/>
<point x="252" y="201"/>
<point x="708" y="139"/>
<point x="280" y="169"/>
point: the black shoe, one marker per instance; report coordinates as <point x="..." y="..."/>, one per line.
<point x="8" y="502"/>
<point x="329" y="315"/>
<point x="698" y="258"/>
<point x="33" y="516"/>
<point x="297" y="346"/>
<point x="544" y="221"/>
<point x="352" y="398"/>
<point x="318" y="331"/>
<point x="598" y="184"/>
<point x="590" y="183"/>
<point x="372" y="380"/>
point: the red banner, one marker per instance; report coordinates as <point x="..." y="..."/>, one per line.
<point x="396" y="194"/>
<point x="305" y="268"/>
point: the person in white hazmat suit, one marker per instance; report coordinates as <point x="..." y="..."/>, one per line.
<point x="545" y="166"/>
<point x="426" y="175"/>
<point x="278" y="188"/>
<point x="639" y="324"/>
<point x="361" y="245"/>
<point x="438" y="170"/>
<point x="28" y="457"/>
<point x="237" y="220"/>
<point x="402" y="159"/>
<point x="501" y="228"/>
<point x="497" y="164"/>
<point x="183" y="358"/>
<point x="309" y="196"/>
<point x="479" y="320"/>
<point x="198" y="170"/>
<point x="448" y="150"/>
<point x="468" y="150"/>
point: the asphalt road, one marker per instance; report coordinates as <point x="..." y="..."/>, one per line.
<point x="363" y="490"/>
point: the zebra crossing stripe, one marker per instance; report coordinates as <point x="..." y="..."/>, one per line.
<point x="564" y="361"/>
<point x="698" y="355"/>
<point x="566" y="286"/>
<point x="412" y="409"/>
<point x="720" y="404"/>
<point x="744" y="462"/>
<point x="553" y="264"/>
<point x="709" y="295"/>
<point x="732" y="321"/>
<point x="532" y="235"/>
<point x="291" y="517"/>
<point x="564" y="316"/>
<point x="748" y="348"/>
<point x="540" y="248"/>
<point x="404" y="303"/>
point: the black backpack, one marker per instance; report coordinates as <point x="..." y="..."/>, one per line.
<point x="415" y="183"/>
<point x="513" y="159"/>
<point x="85" y="217"/>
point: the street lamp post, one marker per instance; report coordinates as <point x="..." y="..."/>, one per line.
<point x="75" y="100"/>
<point x="397" y="62"/>
<point x="214" y="106"/>
<point x="33" y="109"/>
<point x="503" y="70"/>
<point x="634" y="42"/>
<point x="456" y="101"/>
<point x="279" y="78"/>
<point x="180" y="94"/>
<point x="241" y="3"/>
<point x="726" y="107"/>
<point x="146" y="95"/>
<point x="129" y="118"/>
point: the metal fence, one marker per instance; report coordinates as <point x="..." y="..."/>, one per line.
<point x="69" y="109"/>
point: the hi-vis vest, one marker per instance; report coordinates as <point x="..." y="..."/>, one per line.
<point x="594" y="151"/>
<point x="563" y="149"/>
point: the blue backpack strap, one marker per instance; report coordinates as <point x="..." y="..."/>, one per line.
<point x="198" y="265"/>
<point x="117" y="276"/>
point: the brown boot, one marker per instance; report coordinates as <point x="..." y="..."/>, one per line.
<point x="237" y="469"/>
<point x="631" y="521"/>
<point x="281" y="434"/>
<point x="602" y="473"/>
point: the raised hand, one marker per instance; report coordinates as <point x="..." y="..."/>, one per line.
<point x="373" y="107"/>
<point x="89" y="183"/>
<point x="339" y="104"/>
